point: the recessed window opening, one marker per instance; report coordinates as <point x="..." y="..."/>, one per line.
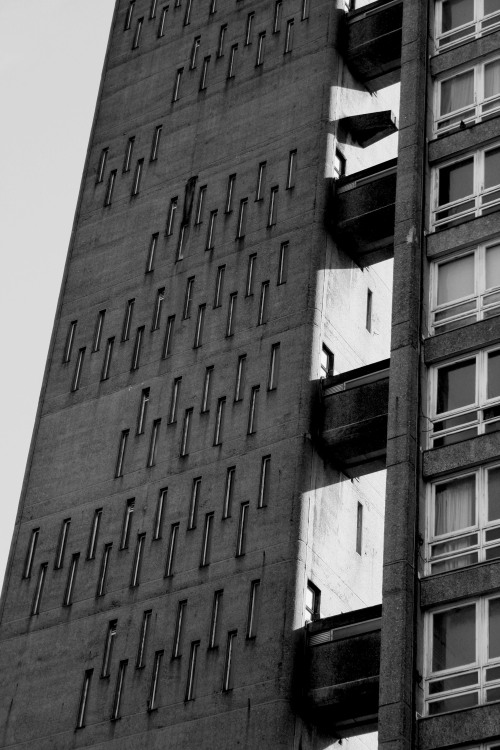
<point x="207" y="540"/>
<point x="240" y="378"/>
<point x="181" y="610"/>
<point x="127" y="523"/>
<point x="187" y="15"/>
<point x="143" y="639"/>
<point x="84" y="696"/>
<point x="99" y="324"/>
<point x="283" y="263"/>
<point x="339" y="164"/>
<point x="153" y="443"/>
<point x="172" y="544"/>
<point x="460" y="20"/>
<point x="155" y="145"/>
<point x="94" y="534"/>
<point x="263" y="304"/>
<point x="292" y="167"/>
<point x="128" y="17"/>
<point x="222" y="36"/>
<point x="228" y="492"/>
<point x="253" y="606"/>
<point x="163" y="20"/>
<point x="219" y="421"/>
<point x="155" y="676"/>
<point x="136" y="355"/>
<point x="169" y="337"/>
<point x="219" y="286"/>
<point x="273" y="206"/>
<point x="171" y="216"/>
<point x="127" y="320"/>
<point x="101" y="584"/>
<point x="241" y="541"/>
<point x="152" y="9"/>
<point x="191" y="680"/>
<point x="278" y="8"/>
<point x="232" y="61"/>
<point x="229" y="193"/>
<point x="369" y="306"/>
<point x="227" y="682"/>
<point x="37" y="598"/>
<point x="204" y="73"/>
<point x="198" y="335"/>
<point x="260" y="49"/>
<point x="61" y="544"/>
<point x="174" y="399"/>
<point x="160" y="509"/>
<point x="194" y="52"/>
<point x="128" y="154"/>
<point x="121" y="453"/>
<point x="250" y="274"/>
<point x="207" y="382"/>
<point x="194" y="502"/>
<point x="211" y="230"/>
<point x="138" y="555"/>
<point x="160" y="297"/>
<point x="106" y="363"/>
<point x="109" y="190"/>
<point x="242" y="219"/>
<point x="115" y="713"/>
<point x="101" y="167"/>
<point x="274" y="367"/>
<point x="261" y="174"/>
<point x="108" y="648"/>
<point x="264" y="482"/>
<point x="30" y="553"/>
<point x="150" y="263"/>
<point x="184" y="451"/>
<point x="78" y="370"/>
<point x="252" y="411"/>
<point x="70" y="337"/>
<point x="188" y="298"/>
<point x="313" y="601"/>
<point x="177" y="85"/>
<point x="137" y="178"/>
<point x="326" y="362"/>
<point x="214" y="620"/>
<point x="289" y="36"/>
<point x="359" y="528"/>
<point x="248" y="32"/>
<point x="199" y="208"/>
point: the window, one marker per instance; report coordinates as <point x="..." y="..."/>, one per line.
<point x="188" y="298"/>
<point x="242" y="219"/>
<point x="359" y="528"/>
<point x="121" y="453"/>
<point x="231" y="313"/>
<point x="150" y="263"/>
<point x="466" y="188"/>
<point x="108" y="648"/>
<point x="289" y="36"/>
<point x="136" y="567"/>
<point x="171" y="216"/>
<point x="160" y="297"/>
<point x="136" y="184"/>
<point x="292" y="167"/>
<point x="260" y="49"/>
<point x="128" y="154"/>
<point x="326" y="362"/>
<point x="181" y="609"/>
<point x="219" y="286"/>
<point x="163" y="20"/>
<point x="101" y="167"/>
<point x="70" y="337"/>
<point x="369" y="305"/>
<point x="274" y="367"/>
<point x="61" y="544"/>
<point x="106" y="363"/>
<point x="219" y="421"/>
<point x="305" y="10"/>
<point x="94" y="534"/>
<point x="191" y="680"/>
<point x="465" y="398"/>
<point x="143" y="639"/>
<point x="278" y="7"/>
<point x="37" y="598"/>
<point x="273" y="207"/>
<point x="84" y="696"/>
<point x="127" y="523"/>
<point x="160" y="508"/>
<point x="127" y="320"/>
<point x="222" y="36"/>
<point x="228" y="492"/>
<point x="207" y="540"/>
<point x="155" y="145"/>
<point x="261" y="178"/>
<point x="252" y="411"/>
<point x="263" y="304"/>
<point x="109" y="189"/>
<point x="460" y="20"/>
<point x="184" y="450"/>
<point x="128" y="17"/>
<point x="179" y="254"/>
<point x="187" y="14"/>
<point x="75" y="384"/>
<point x="214" y="620"/>
<point x="169" y="337"/>
<point x="174" y="399"/>
<point x="229" y="193"/>
<point x="136" y="354"/>
<point x="204" y="73"/>
<point x="101" y="583"/>
<point x="155" y="676"/>
<point x="207" y="382"/>
<point x="211" y="230"/>
<point x="313" y="602"/>
<point x="264" y="482"/>
<point x="240" y="378"/>
<point x="194" y="502"/>
<point x="120" y="679"/>
<point x="227" y="683"/>
<point x="198" y="335"/>
<point x="241" y="541"/>
<point x="153" y="444"/>
<point x="283" y="263"/>
<point x="253" y="607"/>
<point x="339" y="164"/>
<point x="172" y="543"/>
<point x="30" y="553"/>
<point x="250" y="274"/>
<point x="98" y="330"/>
<point x="152" y="9"/>
<point x="213" y="7"/>
<point x="194" y="52"/>
<point x="232" y="61"/>
<point x="248" y="32"/>
<point x="177" y="85"/>
<point x="463" y="655"/>
<point x="465" y="288"/>
<point x="199" y="208"/>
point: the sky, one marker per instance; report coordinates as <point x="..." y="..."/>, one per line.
<point x="50" y="69"/>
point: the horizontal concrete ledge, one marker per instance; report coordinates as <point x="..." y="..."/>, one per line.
<point x="370" y="127"/>
<point x="467" y="139"/>
<point x="473" y="725"/>
<point x="476" y="580"/>
<point x="462" y="340"/>
<point x="468" y="234"/>
<point x="463" y="455"/>
<point x="466" y="52"/>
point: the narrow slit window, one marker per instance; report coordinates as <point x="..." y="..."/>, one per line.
<point x="327" y="362"/>
<point x="155" y="677"/>
<point x="70" y="337"/>
<point x="278" y="8"/>
<point x="136" y="184"/>
<point x="219" y="286"/>
<point x="200" y="319"/>
<point x="177" y="85"/>
<point x="227" y="682"/>
<point x="211" y="230"/>
<point x="171" y="216"/>
<point x="150" y="263"/>
<point x="174" y="400"/>
<point x="122" y="447"/>
<point x="179" y="622"/>
<point x="213" y="7"/>
<point x="109" y="189"/>
<point x="61" y="544"/>
<point x="153" y="443"/>
<point x="172" y="544"/>
<point x="101" y="583"/>
<point x="117" y="699"/>
<point x="339" y="164"/>
<point x="263" y="304"/>
<point x="188" y="298"/>
<point x="138" y="555"/>
<point x="222" y="37"/>
<point x="369" y="304"/>
<point x="136" y="355"/>
<point x="137" y="35"/>
<point x="240" y="378"/>
<point x="84" y="697"/>
<point x="289" y="36"/>
<point x="99" y="325"/>
<point x="304" y="15"/>
<point x="127" y="320"/>
<point x="207" y="383"/>
<point x="274" y="367"/>
<point x="160" y="298"/>
<point x="232" y="61"/>
<point x="359" y="528"/>
<point x="163" y="21"/>
<point x="194" y="502"/>
<point x="30" y="553"/>
<point x="283" y="263"/>
<point x="152" y="9"/>
<point x="106" y="363"/>
<point x="37" y="598"/>
<point x="229" y="193"/>
<point x="261" y="178"/>
<point x="241" y="541"/>
<point x="252" y="410"/>
<point x="228" y="492"/>
<point x="183" y="232"/>
<point x="273" y="207"/>
<point x="70" y="583"/>
<point x="108" y="648"/>
<point x="143" y="640"/>
<point x="78" y="370"/>
<point x="248" y="32"/>
<point x="261" y="41"/>
<point x="168" y="341"/>
<point x="187" y="14"/>
<point x="231" y="314"/>
<point x="214" y="620"/>
<point x="242" y="219"/>
<point x="127" y="523"/>
<point x="313" y="602"/>
<point x="292" y="166"/>
<point x="253" y="609"/>
<point x="219" y="421"/>
<point x="128" y="154"/>
<point x="250" y="275"/>
<point x="94" y="534"/>
<point x="264" y="482"/>
<point x="155" y="145"/>
<point x="207" y="540"/>
<point x="191" y="679"/>
<point x="184" y="450"/>
<point x="194" y="52"/>
<point x="101" y="167"/>
<point x="160" y="510"/>
<point x="201" y="201"/>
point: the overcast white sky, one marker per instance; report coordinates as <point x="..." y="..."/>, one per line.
<point x="50" y="67"/>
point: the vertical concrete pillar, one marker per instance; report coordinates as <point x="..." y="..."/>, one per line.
<point x="396" y="713"/>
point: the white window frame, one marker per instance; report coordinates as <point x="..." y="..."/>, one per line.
<point x="480" y="25"/>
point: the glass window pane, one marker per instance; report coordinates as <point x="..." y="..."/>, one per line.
<point x="454" y="638"/>
<point x="492" y="78"/>
<point x="493" y="390"/>
<point x="455" y="505"/>
<point x="492" y="266"/>
<point x="456" y="386"/>
<point x="457" y="92"/>
<point x="493" y="628"/>
<point x="491" y="6"/>
<point x="456" y="181"/>
<point x="456" y="13"/>
<point x="456" y="279"/>
<point x="493" y="494"/>
<point x="492" y="168"/>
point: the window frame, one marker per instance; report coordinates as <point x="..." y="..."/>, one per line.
<point x="471" y="30"/>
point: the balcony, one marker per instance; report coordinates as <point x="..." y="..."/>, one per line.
<point x="362" y="212"/>
<point x="373" y="47"/>
<point x="354" y="418"/>
<point x="342" y="672"/>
